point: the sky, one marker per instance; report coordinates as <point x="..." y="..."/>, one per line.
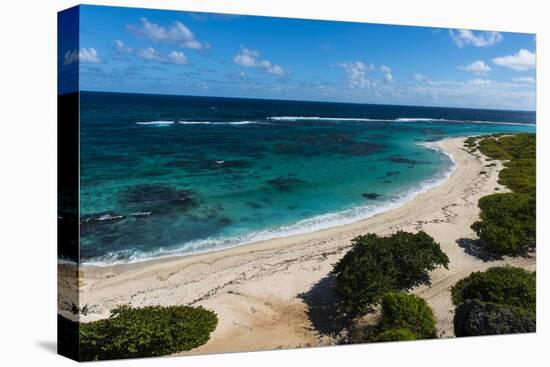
<point x="185" y="53"/>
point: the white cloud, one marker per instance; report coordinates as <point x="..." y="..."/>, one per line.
<point x="121" y="48"/>
<point x="84" y="55"/>
<point x="174" y="57"/>
<point x="523" y="60"/>
<point x="463" y="37"/>
<point x="177" y="57"/>
<point x="525" y="79"/>
<point x="250" y="58"/>
<point x="420" y="77"/>
<point x="150" y="54"/>
<point x="356" y="73"/>
<point x="479" y="81"/>
<point x="388" y="77"/>
<point x="477" y="67"/>
<point x="177" y="33"/>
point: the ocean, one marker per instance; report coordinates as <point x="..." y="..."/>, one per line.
<point x="177" y="175"/>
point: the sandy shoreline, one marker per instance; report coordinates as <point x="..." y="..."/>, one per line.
<point x="272" y="294"/>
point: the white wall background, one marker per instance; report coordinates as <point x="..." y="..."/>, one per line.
<point x="28" y="180"/>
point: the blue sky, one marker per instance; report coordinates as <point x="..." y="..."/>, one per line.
<point x="176" y="52"/>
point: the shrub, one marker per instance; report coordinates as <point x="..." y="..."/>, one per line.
<point x="402" y="311"/>
<point x="507" y="224"/>
<point x="474" y="317"/>
<point x="519" y="174"/>
<point x="376" y="265"/>
<point x="393" y="335"/>
<point x="503" y="285"/>
<point x="146" y="332"/>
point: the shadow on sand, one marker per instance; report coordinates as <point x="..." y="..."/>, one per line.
<point x="473" y="248"/>
<point x="323" y="310"/>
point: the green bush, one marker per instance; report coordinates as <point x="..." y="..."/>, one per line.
<point x="507" y="224"/>
<point x="146" y="332"/>
<point x="519" y="174"/>
<point x="394" y="335"/>
<point x="474" y="317"/>
<point x="376" y="265"/>
<point x="503" y="285"/>
<point x="402" y="311"/>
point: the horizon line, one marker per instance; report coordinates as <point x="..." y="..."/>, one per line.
<point x="298" y="100"/>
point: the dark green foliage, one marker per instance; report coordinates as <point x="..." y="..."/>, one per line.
<point x="394" y="335"/>
<point x="519" y="174"/>
<point x="404" y="315"/>
<point x="376" y="265"/>
<point x="503" y="285"/>
<point x="471" y="142"/>
<point x="474" y="317"/>
<point x="146" y="332"/>
<point x="508" y="220"/>
<point x="507" y="224"/>
<point x="501" y="300"/>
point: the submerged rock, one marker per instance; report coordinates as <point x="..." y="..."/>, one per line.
<point x="372" y="195"/>
<point x="206" y="165"/>
<point x="402" y="160"/>
<point x="158" y="199"/>
<point x="254" y="205"/>
<point x="391" y="174"/>
<point x="285" y="184"/>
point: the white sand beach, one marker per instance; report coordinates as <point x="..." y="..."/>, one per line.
<point x="270" y="294"/>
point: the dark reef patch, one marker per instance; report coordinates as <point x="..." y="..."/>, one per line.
<point x="158" y="199"/>
<point x="330" y="143"/>
<point x="286" y="184"/>
<point x="391" y="174"/>
<point x="254" y="205"/>
<point x="195" y="166"/>
<point x="403" y="160"/>
<point x="372" y="195"/>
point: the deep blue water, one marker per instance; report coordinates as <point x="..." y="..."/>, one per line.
<point x="164" y="175"/>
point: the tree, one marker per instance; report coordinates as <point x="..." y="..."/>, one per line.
<point x="394" y="335"/>
<point x="503" y="285"/>
<point x="146" y="332"/>
<point x="501" y="300"/>
<point x="403" y="312"/>
<point x="507" y="224"/>
<point x="376" y="265"/>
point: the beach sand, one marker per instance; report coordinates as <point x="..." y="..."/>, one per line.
<point x="277" y="293"/>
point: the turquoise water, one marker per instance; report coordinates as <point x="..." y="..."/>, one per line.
<point x="165" y="175"/>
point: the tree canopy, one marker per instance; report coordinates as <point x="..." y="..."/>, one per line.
<point x="503" y="285"/>
<point x="507" y="224"/>
<point x="501" y="300"/>
<point x="508" y="220"/>
<point x="405" y="317"/>
<point x="376" y="265"/>
<point x="146" y="332"/>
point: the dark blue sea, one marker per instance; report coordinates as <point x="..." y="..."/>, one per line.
<point x="176" y="175"/>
